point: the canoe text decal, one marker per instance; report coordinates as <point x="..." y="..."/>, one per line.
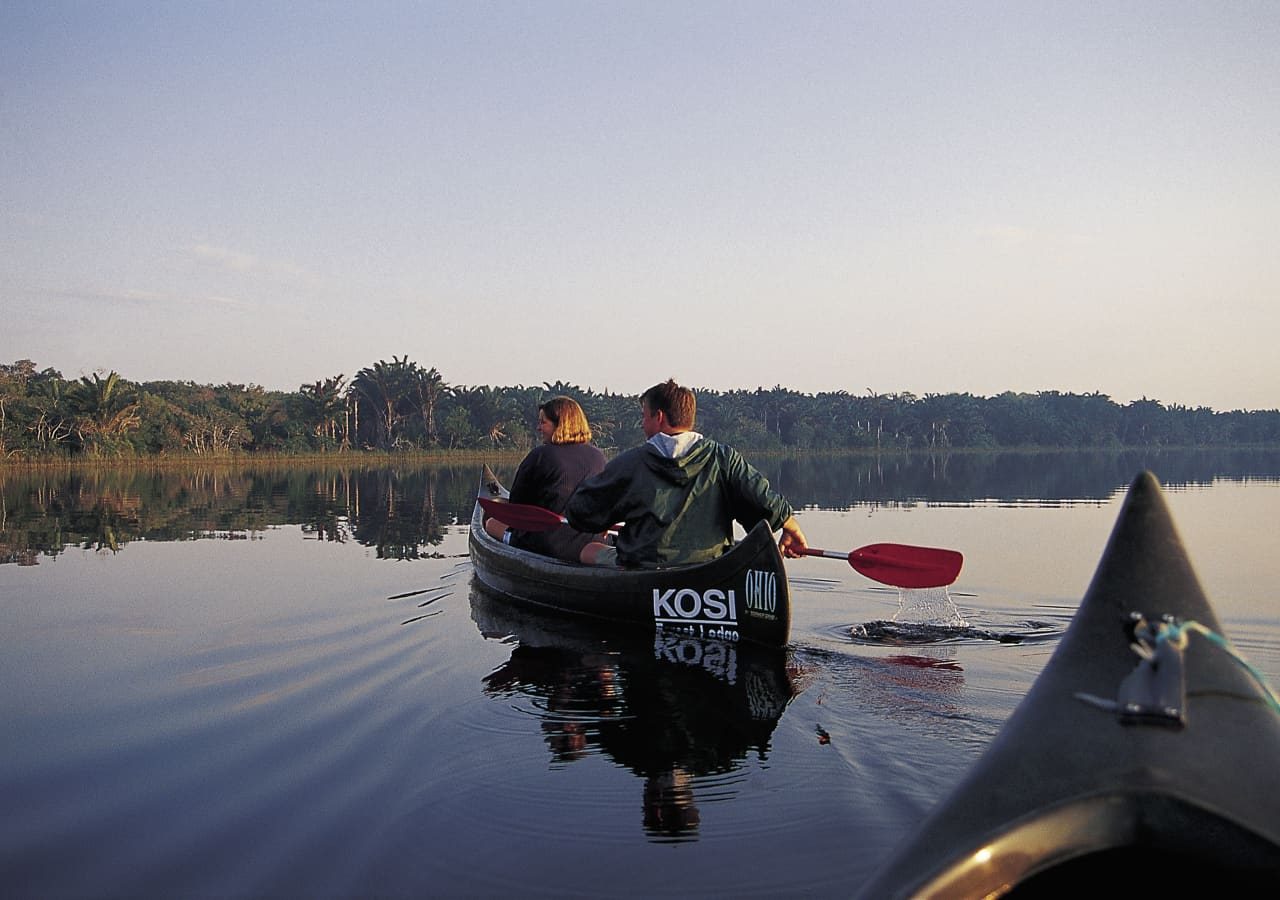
<point x="712" y="613"/>
<point x="720" y="658"/>
<point x="762" y="594"/>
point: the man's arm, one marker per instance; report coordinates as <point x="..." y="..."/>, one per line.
<point x="752" y="496"/>
<point x="593" y="506"/>
<point x="750" y="485"/>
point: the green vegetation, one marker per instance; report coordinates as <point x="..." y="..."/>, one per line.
<point x="400" y="407"/>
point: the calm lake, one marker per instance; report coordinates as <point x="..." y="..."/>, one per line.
<point x="281" y="682"/>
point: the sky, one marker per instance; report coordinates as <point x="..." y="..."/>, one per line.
<point x="902" y="196"/>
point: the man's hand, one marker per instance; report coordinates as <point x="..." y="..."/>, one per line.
<point x="792" y="543"/>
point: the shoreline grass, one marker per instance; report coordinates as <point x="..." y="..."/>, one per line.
<point x="365" y="459"/>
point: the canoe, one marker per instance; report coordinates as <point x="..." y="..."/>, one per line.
<point x="741" y="596"/>
<point x="1153" y="770"/>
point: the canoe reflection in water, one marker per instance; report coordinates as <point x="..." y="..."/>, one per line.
<point x="669" y="708"/>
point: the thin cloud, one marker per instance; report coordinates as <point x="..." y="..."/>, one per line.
<point x="154" y="299"/>
<point x="247" y="263"/>
<point x="225" y="258"/>
<point x="1020" y="236"/>
<point x="1007" y="235"/>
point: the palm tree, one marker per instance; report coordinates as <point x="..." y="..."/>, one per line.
<point x="13" y="387"/>
<point x="564" y="389"/>
<point x="428" y="388"/>
<point x="105" y="409"/>
<point x="324" y="402"/>
<point x="383" y="387"/>
<point x="492" y="412"/>
<point x="52" y="425"/>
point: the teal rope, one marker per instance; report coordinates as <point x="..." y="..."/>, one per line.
<point x="1178" y="633"/>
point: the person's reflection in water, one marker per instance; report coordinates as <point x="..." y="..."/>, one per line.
<point x="581" y="695"/>
<point x="669" y="810"/>
<point x="671" y="709"/>
<point x="567" y="740"/>
<point x="586" y="711"/>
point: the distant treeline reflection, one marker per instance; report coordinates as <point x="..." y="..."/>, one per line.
<point x="404" y="512"/>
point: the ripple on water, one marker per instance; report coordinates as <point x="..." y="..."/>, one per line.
<point x="220" y="760"/>
<point x="902" y="633"/>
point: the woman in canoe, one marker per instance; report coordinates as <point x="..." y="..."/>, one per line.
<point x="548" y="475"/>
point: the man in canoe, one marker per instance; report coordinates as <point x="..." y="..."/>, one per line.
<point x="678" y="494"/>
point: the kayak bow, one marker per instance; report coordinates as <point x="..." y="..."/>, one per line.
<point x="1153" y="770"/>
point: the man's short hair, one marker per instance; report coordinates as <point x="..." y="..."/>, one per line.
<point x="678" y="403"/>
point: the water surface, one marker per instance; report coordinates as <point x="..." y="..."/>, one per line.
<point x="241" y="684"/>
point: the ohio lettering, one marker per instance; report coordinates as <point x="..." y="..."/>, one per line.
<point x="762" y="594"/>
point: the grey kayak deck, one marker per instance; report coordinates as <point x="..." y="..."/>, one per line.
<point x="1177" y="785"/>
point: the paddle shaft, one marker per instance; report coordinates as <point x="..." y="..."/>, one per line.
<point x="829" y="554"/>
<point x="523" y="516"/>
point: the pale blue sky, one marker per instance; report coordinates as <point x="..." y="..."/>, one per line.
<point x="896" y="196"/>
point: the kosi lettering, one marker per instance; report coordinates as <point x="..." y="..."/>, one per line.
<point x="709" y="613"/>
<point x="685" y="605"/>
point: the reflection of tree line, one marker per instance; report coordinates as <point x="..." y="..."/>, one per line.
<point x="399" y="512"/>
<point x="402" y="511"/>
<point x="841" y="482"/>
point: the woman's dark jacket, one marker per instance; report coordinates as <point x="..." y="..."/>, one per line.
<point x="546" y="477"/>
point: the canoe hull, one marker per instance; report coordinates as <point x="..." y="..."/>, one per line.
<point x="742" y="596"/>
<point x="1069" y="789"/>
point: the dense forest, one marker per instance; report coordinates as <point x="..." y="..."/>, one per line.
<point x="402" y="406"/>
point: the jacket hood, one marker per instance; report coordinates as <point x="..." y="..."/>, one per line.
<point x="681" y="469"/>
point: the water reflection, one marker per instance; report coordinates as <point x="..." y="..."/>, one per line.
<point x="898" y="633"/>
<point x="915" y="687"/>
<point x="402" y="511"/>
<point x="1012" y="477"/>
<point x="671" y="709"/>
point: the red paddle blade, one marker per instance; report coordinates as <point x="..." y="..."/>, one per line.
<point x="905" y="566"/>
<point x="521" y="516"/>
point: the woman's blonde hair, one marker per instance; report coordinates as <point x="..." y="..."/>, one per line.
<point x="569" y="420"/>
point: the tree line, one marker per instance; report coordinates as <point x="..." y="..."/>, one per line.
<point x="400" y="405"/>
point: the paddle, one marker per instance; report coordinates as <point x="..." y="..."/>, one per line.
<point x="900" y="565"/>
<point x="522" y="516"/>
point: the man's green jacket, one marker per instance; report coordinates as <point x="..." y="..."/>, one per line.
<point x="675" y="511"/>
